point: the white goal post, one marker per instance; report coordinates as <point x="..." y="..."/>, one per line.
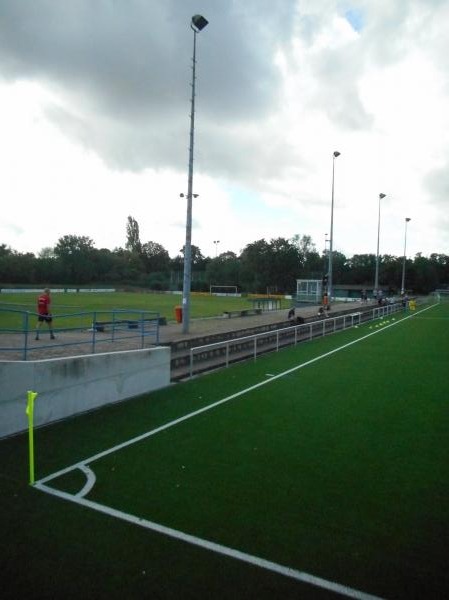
<point x="442" y="295"/>
<point x="224" y="290"/>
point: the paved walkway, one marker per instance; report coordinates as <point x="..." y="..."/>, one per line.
<point x="199" y="327"/>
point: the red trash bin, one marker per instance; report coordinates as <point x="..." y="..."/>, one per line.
<point x="178" y="314"/>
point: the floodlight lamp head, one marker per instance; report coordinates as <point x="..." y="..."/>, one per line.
<point x="181" y="195"/>
<point x="382" y="196"/>
<point x="407" y="219"/>
<point x="336" y="153"/>
<point x="198" y="22"/>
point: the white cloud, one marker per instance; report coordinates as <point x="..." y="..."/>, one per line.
<point x="95" y="123"/>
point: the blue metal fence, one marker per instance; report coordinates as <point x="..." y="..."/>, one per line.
<point x="89" y="330"/>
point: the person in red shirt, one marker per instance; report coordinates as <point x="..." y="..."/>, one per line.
<point x="43" y="313"/>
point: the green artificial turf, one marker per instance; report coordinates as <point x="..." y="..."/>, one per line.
<point x="338" y="469"/>
<point x="202" y="305"/>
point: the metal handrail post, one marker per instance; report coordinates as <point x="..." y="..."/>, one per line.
<point x="142" y="325"/>
<point x="25" y="327"/>
<point x="113" y="326"/>
<point x="94" y="330"/>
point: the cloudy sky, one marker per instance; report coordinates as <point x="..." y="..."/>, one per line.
<point x="95" y="117"/>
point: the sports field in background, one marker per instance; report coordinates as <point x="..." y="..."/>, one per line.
<point x="202" y="305"/>
<point x="318" y="471"/>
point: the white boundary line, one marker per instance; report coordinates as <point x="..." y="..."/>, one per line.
<point x="213" y="547"/>
<point x="432" y="318"/>
<point x="179" y="535"/>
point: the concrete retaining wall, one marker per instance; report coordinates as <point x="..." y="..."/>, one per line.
<point x="68" y="386"/>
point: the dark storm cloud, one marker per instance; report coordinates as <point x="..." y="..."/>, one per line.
<point x="121" y="70"/>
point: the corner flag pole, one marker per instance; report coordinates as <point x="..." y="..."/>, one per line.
<point x="31" y="396"/>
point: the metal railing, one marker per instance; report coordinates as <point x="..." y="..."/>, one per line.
<point x="224" y="352"/>
<point x="88" y="330"/>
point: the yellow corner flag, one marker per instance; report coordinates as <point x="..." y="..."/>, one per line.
<point x="31" y="396"/>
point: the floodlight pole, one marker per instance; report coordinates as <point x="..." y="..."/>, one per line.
<point x="407" y="219"/>
<point x="216" y="242"/>
<point x="326" y="258"/>
<point x="197" y="24"/>
<point x="376" y="277"/>
<point x="331" y="241"/>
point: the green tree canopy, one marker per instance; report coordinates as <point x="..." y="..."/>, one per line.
<point x="155" y="257"/>
<point x="224" y="270"/>
<point x="133" y="236"/>
<point x="75" y="253"/>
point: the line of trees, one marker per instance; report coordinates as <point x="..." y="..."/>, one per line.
<point x="262" y="266"/>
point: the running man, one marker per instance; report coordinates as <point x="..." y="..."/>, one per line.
<point x="44" y="314"/>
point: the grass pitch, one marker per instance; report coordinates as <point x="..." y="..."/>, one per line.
<point x="329" y="458"/>
<point x="202" y="305"/>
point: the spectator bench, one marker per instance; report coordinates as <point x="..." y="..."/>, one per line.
<point x="130" y="323"/>
<point x="247" y="312"/>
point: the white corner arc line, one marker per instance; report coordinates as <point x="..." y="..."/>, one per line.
<point x="214" y="547"/>
<point x="218" y="403"/>
<point x="90" y="481"/>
